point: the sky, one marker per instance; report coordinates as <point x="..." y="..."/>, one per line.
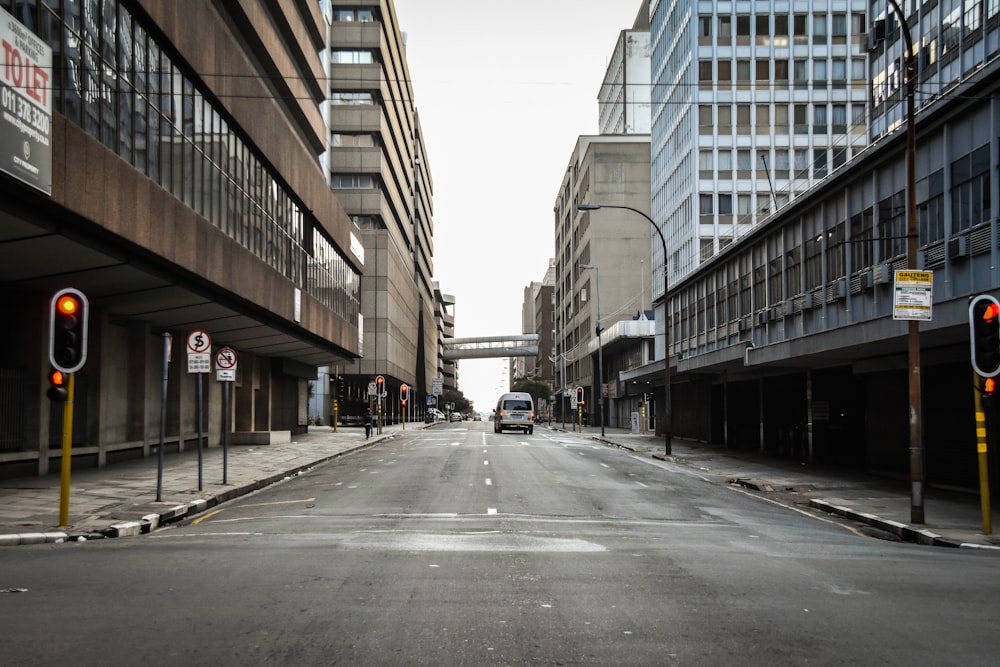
<point x="503" y="89"/>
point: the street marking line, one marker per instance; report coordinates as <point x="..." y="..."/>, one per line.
<point x="489" y="482"/>
<point x="203" y="518"/>
<point x="491" y="510"/>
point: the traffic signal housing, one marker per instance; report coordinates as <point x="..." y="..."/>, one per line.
<point x="579" y="396"/>
<point x="68" y="315"/>
<point x="984" y="335"/>
<point x="404" y="393"/>
<point x="987" y="389"/>
<point x="58" y="390"/>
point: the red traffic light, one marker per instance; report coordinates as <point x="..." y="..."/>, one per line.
<point x="68" y="304"/>
<point x="989" y="386"/>
<point x="404" y="393"/>
<point x="58" y="386"/>
<point x="68" y="330"/>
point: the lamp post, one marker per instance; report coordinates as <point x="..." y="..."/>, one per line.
<point x="600" y="346"/>
<point x="913" y="333"/>
<point x="667" y="416"/>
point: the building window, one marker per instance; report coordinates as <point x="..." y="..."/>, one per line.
<point x="742" y="119"/>
<point x="800" y="29"/>
<point x="819" y="29"/>
<point x="743" y="163"/>
<point x="970" y="189"/>
<point x="780" y="119"/>
<point x="725" y="163"/>
<point x="725" y="204"/>
<point x="763" y="24"/>
<point x="725" y="68"/>
<point x="781" y="165"/>
<point x="801" y="119"/>
<point x="839" y="118"/>
<point x="892" y="227"/>
<point x="819" y="162"/>
<point x="763" y="120"/>
<point x="352" y="182"/>
<point x="725" y="124"/>
<point x="743" y="73"/>
<point x="762" y="67"/>
<point x="351" y="57"/>
<point x="781" y="72"/>
<point x="819" y="74"/>
<point x="725" y="30"/>
<point x="802" y="163"/>
<point x="705" y="122"/>
<point x="705" y="163"/>
<point x="347" y="15"/>
<point x="340" y="140"/>
<point x="348" y="98"/>
<point x="801" y="73"/>
<point x="839" y="28"/>
<point x="705" y="205"/>
<point x="930" y="209"/>
<point x="705" y="27"/>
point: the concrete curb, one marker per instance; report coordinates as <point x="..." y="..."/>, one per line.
<point x="901" y="530"/>
<point x="151" y="522"/>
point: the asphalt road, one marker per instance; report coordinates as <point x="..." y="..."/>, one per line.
<point x="457" y="546"/>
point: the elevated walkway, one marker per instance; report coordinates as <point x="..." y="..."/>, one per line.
<point x="487" y="347"/>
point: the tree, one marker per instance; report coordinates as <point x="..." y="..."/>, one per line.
<point x="455" y="396"/>
<point x="540" y="391"/>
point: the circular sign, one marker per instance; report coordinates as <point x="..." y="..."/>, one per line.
<point x="199" y="341"/>
<point x="225" y="358"/>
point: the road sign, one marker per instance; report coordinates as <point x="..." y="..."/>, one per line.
<point x="913" y="295"/>
<point x="437" y="386"/>
<point x="225" y="359"/>
<point x="372" y="391"/>
<point x="199" y="341"/>
<point x="225" y="375"/>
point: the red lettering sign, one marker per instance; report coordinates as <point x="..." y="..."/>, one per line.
<point x="19" y="70"/>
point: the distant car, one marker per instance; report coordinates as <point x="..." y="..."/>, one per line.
<point x="434" y="415"/>
<point x="456" y="416"/>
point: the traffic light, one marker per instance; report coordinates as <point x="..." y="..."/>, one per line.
<point x="58" y="386"/>
<point x="987" y="387"/>
<point x="379" y="384"/>
<point x="984" y="335"/>
<point x="404" y="393"/>
<point x="68" y="330"/>
<point x="579" y="396"/>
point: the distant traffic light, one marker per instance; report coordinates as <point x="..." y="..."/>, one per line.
<point x="984" y="335"/>
<point x="379" y="384"/>
<point x="404" y="393"/>
<point x="579" y="396"/>
<point x="58" y="390"/>
<point x="68" y="314"/>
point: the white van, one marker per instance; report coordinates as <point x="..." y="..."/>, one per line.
<point x="514" y="410"/>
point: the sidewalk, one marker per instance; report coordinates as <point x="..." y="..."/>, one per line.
<point x="121" y="500"/>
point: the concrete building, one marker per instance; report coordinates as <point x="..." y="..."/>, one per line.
<point x="753" y="104"/>
<point x="624" y="100"/>
<point x="611" y="169"/>
<point x="787" y="341"/>
<point x="378" y="169"/>
<point x="173" y="177"/>
<point x="524" y="367"/>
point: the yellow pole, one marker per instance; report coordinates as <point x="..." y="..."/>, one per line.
<point x="984" y="474"/>
<point x="67" y="452"/>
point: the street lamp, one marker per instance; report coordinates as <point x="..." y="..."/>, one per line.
<point x="600" y="346"/>
<point x="667" y="416"/>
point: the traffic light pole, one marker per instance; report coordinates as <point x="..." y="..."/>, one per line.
<point x="67" y="452"/>
<point x="981" y="448"/>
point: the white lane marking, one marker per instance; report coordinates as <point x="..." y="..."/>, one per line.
<point x="489" y="482"/>
<point x="645" y="486"/>
<point x="605" y="465"/>
<point x="486" y="463"/>
<point x="491" y="510"/>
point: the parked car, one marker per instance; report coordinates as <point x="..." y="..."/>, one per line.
<point x="434" y="415"/>
<point x="456" y="416"/>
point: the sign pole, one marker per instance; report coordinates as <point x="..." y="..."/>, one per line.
<point x="200" y="459"/>
<point x="163" y="417"/>
<point x="225" y="431"/>
<point x="984" y="468"/>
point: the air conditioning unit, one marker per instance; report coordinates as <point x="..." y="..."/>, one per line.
<point x="808" y="301"/>
<point x="840" y="288"/>
<point x="958" y="248"/>
<point x="762" y="318"/>
<point x="882" y="274"/>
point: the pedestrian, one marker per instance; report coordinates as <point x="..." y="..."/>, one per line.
<point x="368" y="423"/>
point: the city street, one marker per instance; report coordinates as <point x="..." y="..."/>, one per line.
<point x="455" y="545"/>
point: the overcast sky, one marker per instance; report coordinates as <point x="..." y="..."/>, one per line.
<point x="503" y="90"/>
